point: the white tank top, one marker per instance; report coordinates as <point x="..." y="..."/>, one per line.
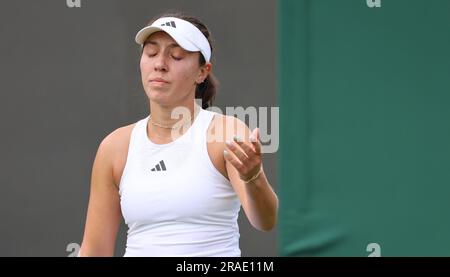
<point x="173" y="199"/>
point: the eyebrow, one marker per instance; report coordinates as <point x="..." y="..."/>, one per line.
<point x="172" y="45"/>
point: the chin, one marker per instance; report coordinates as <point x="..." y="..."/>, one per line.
<point x="159" y="97"/>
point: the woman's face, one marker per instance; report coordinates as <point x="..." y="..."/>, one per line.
<point x="170" y="73"/>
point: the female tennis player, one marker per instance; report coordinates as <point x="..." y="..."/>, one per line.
<point x="178" y="183"/>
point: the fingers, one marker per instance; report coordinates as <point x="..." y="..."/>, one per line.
<point x="255" y="140"/>
<point x="243" y="155"/>
<point x="250" y="149"/>
<point x="237" y="164"/>
<point x="246" y="147"/>
<point x="237" y="151"/>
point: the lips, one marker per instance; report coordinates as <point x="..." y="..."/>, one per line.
<point x="158" y="80"/>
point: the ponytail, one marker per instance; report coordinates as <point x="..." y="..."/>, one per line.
<point x="207" y="90"/>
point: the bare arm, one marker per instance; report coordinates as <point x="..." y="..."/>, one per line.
<point x="244" y="161"/>
<point x="104" y="214"/>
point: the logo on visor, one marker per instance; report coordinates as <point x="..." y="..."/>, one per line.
<point x="171" y="23"/>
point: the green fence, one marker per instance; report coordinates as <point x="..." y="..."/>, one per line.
<point x="364" y="99"/>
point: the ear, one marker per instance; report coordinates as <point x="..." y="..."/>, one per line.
<point x="203" y="73"/>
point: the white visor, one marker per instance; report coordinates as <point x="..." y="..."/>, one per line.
<point x="188" y="36"/>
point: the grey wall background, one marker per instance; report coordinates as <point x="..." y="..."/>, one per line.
<point x="70" y="76"/>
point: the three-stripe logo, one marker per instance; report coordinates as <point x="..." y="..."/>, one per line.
<point x="160" y="166"/>
<point x="171" y="23"/>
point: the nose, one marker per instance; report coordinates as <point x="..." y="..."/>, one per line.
<point x="161" y="63"/>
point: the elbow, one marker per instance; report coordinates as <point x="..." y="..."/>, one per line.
<point x="268" y="222"/>
<point x="268" y="225"/>
<point x="266" y="229"/>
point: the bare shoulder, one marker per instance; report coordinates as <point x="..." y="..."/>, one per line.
<point x="225" y="127"/>
<point x="119" y="137"/>
<point x="115" y="147"/>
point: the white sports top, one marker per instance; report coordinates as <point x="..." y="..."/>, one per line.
<point x="173" y="199"/>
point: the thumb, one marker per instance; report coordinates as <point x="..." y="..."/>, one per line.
<point x="254" y="135"/>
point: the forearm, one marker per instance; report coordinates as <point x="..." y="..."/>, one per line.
<point x="263" y="203"/>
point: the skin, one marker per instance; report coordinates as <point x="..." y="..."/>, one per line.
<point x="233" y="149"/>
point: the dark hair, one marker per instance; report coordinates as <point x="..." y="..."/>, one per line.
<point x="207" y="90"/>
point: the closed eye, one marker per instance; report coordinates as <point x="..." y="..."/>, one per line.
<point x="177" y="58"/>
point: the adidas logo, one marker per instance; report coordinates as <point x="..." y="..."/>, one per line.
<point x="160" y="166"/>
<point x="171" y="23"/>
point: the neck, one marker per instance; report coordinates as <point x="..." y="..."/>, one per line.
<point x="162" y="120"/>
